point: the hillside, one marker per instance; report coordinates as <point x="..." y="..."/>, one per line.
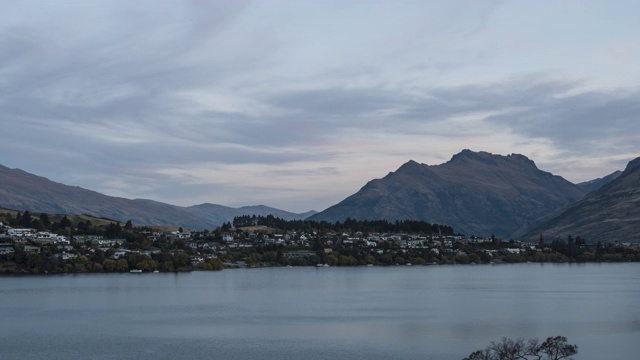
<point x="475" y="192"/>
<point x="589" y="186"/>
<point x="21" y="190"/>
<point x="611" y="213"/>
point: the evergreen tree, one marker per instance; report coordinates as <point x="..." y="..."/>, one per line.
<point x="26" y="219"/>
<point x="44" y="219"/>
<point x="65" y="222"/>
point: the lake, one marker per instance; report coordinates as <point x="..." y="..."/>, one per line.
<point x="403" y="312"/>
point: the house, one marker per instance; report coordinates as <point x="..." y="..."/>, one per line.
<point x="417" y="242"/>
<point x="119" y="254"/>
<point x="6" y="250"/>
<point x="193" y="244"/>
<point x="85" y="238"/>
<point x="181" y="235"/>
<point x="31" y="249"/>
<point x="195" y="260"/>
<point x="210" y="246"/>
<point x="20" y="232"/>
<point x="67" y="256"/>
<point x="6" y="241"/>
<point x="44" y="238"/>
<point x="108" y="242"/>
<point x="303" y="240"/>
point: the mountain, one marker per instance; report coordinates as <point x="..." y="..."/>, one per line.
<point x="611" y="213"/>
<point x="475" y="192"/>
<point x="589" y="186"/>
<point x="21" y="190"/>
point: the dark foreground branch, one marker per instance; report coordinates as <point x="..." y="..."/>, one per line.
<point x="554" y="348"/>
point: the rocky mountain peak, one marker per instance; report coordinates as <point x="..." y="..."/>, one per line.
<point x="410" y="166"/>
<point x="634" y="165"/>
<point x="475" y="192"/>
<point x="467" y="156"/>
<point x="522" y="159"/>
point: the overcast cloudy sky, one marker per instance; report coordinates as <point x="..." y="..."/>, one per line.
<point x="297" y="104"/>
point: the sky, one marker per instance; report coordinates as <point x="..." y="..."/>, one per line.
<point x="298" y="104"/>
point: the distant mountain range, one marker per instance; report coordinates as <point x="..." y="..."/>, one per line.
<point x="595" y="184"/>
<point x="610" y="213"/>
<point x="475" y="192"/>
<point x="21" y="190"/>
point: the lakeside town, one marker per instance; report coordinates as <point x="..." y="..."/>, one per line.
<point x="255" y="241"/>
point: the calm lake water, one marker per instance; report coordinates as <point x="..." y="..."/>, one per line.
<point x="433" y="312"/>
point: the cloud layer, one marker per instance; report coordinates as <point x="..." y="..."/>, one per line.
<point x="296" y="104"/>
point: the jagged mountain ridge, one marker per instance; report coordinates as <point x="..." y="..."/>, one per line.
<point x="611" y="213"/>
<point x="21" y="190"/>
<point x="475" y="192"/>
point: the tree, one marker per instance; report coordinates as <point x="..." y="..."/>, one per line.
<point x="554" y="348"/>
<point x="113" y="230"/>
<point x="26" y="219"/>
<point x="109" y="265"/>
<point x="122" y="265"/>
<point x="37" y="224"/>
<point x="65" y="222"/>
<point x="44" y="219"/>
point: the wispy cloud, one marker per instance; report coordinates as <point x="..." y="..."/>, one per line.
<point x="297" y="104"/>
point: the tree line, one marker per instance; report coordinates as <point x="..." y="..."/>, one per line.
<point x="349" y="225"/>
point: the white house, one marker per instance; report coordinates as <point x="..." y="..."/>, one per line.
<point x="20" y="232"/>
<point x="181" y="235"/>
